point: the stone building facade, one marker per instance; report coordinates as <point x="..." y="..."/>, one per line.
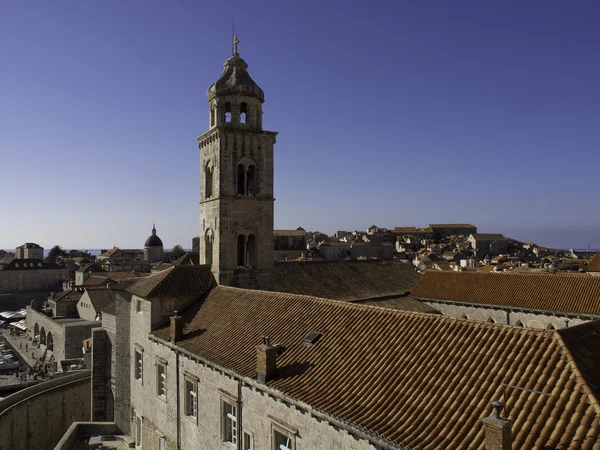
<point x="29" y="250"/>
<point x="63" y="336"/>
<point x="236" y="198"/>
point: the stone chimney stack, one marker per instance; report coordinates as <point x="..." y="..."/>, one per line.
<point x="176" y="327"/>
<point x="498" y="430"/>
<point x="266" y="361"/>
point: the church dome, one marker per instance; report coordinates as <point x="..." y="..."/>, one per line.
<point x="153" y="240"/>
<point x="235" y="80"/>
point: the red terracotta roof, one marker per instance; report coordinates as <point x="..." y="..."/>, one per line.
<point x="419" y="380"/>
<point x="96" y="281"/>
<point x="176" y="281"/>
<point x="344" y="280"/>
<point x="565" y="293"/>
<point x="594" y="265"/>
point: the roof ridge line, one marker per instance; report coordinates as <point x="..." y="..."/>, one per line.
<point x="397" y="312"/>
<point x="169" y="270"/>
<point x="584" y="385"/>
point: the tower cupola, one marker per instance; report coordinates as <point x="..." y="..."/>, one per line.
<point x="235" y="99"/>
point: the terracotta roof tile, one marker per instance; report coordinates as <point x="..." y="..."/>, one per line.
<point x="94" y="280"/>
<point x="344" y="280"/>
<point x="594" y="265"/>
<point x="549" y="292"/>
<point x="110" y="309"/>
<point x="489" y="236"/>
<point x="420" y="380"/>
<point x="68" y="296"/>
<point x="175" y="281"/>
<point x="101" y="298"/>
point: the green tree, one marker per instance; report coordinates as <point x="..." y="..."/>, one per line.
<point x="55" y="252"/>
<point x="177" y="252"/>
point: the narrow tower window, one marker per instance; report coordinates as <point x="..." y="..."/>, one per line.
<point x="208" y="248"/>
<point x="258" y="118"/>
<point x="212" y="115"/>
<point x="241" y="251"/>
<point x="228" y="112"/>
<point x="251" y="252"/>
<point x="243" y="113"/>
<point x="241" y="179"/>
<point x="208" y="179"/>
<point x="251" y="181"/>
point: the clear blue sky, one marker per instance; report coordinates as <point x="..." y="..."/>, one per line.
<point x="396" y="113"/>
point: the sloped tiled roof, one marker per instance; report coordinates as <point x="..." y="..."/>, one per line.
<point x="420" y="380"/>
<point x="94" y="280"/>
<point x="190" y="259"/>
<point x="403" y="303"/>
<point x="28" y="264"/>
<point x="583" y="342"/>
<point x="173" y="282"/>
<point x="594" y="265"/>
<point x="101" y="298"/>
<point x="110" y="309"/>
<point x="565" y="293"/>
<point x="344" y="280"/>
<point x="451" y="225"/>
<point x="91" y="267"/>
<point x="67" y="296"/>
<point x="489" y="236"/>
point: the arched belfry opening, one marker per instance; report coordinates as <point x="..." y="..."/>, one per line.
<point x="227" y="111"/>
<point x="208" y="181"/>
<point x="243" y="113"/>
<point x="208" y="247"/>
<point x="236" y="198"/>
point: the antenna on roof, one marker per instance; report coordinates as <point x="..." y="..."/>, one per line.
<point x="507" y="386"/>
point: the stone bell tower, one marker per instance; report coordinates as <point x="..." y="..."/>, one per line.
<point x="236" y="181"/>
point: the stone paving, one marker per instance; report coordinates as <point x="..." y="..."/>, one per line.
<point x="27" y="352"/>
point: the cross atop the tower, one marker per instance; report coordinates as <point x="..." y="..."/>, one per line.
<point x="236" y="41"/>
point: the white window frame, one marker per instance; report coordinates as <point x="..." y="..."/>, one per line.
<point x="250" y="437"/>
<point x="161" y="379"/>
<point x="138" y="366"/>
<point x="191" y="397"/>
<point x="229" y="421"/>
<point x="289" y="434"/>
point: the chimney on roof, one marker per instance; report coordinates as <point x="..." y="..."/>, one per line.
<point x="266" y="361"/>
<point x="176" y="327"/>
<point x="498" y="430"/>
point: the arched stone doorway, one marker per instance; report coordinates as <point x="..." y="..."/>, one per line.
<point x="50" y="342"/>
<point x="36" y="332"/>
<point x="43" y="336"/>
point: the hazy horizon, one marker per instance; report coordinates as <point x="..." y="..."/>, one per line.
<point x="396" y="113"/>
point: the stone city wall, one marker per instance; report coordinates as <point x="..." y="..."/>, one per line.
<point x="530" y="318"/>
<point x="37" y="417"/>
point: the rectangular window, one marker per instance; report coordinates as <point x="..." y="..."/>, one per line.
<point x="139" y="364"/>
<point x="138" y="431"/>
<point x="162" y="443"/>
<point x="161" y="379"/>
<point x="248" y="441"/>
<point x="191" y="398"/>
<point x="139" y="306"/>
<point x="229" y="422"/>
<point x="283" y="440"/>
